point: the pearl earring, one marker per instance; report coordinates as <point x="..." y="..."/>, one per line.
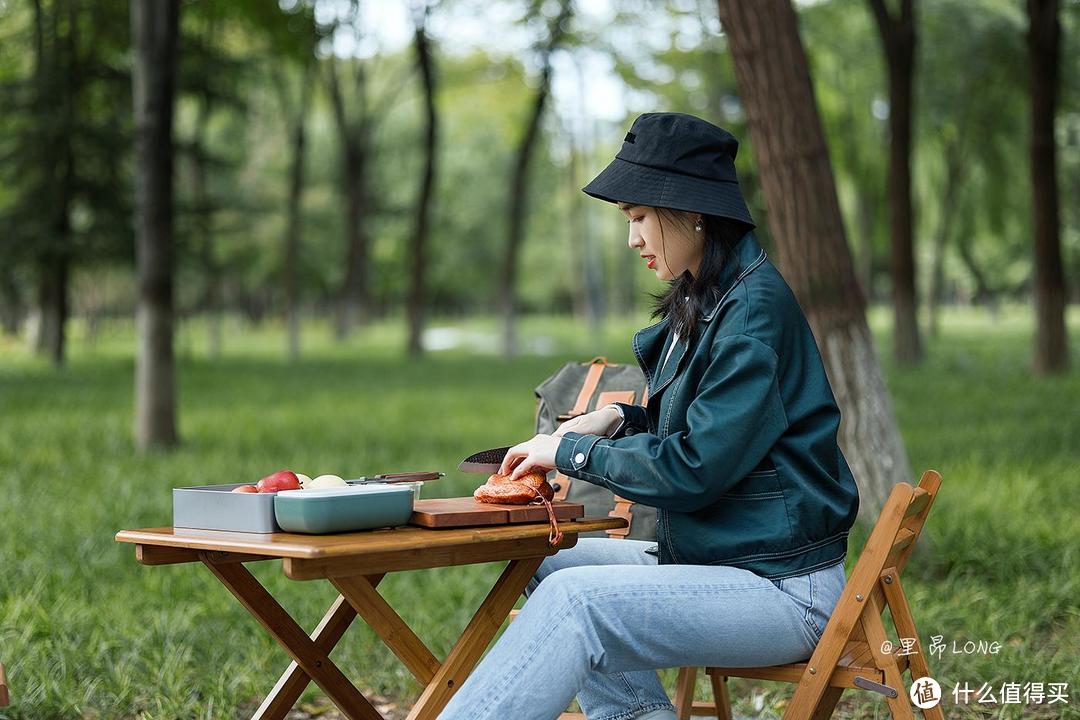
<point x="699" y="227"/>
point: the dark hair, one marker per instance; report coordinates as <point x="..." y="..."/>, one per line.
<point x="688" y="295"/>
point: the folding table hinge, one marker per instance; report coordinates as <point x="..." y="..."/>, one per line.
<point x="875" y="687"/>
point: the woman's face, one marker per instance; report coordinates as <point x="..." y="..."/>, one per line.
<point x="666" y="247"/>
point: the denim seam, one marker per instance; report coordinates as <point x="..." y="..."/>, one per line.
<point x="810" y="606"/>
<point x="631" y="714"/>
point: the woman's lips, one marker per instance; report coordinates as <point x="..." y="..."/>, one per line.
<point x="650" y="261"/>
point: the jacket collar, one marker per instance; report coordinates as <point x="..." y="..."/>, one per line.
<point x="748" y="256"/>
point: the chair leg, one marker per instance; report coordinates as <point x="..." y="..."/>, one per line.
<point x="684" y="692"/>
<point x="827" y="704"/>
<point x="721" y="699"/>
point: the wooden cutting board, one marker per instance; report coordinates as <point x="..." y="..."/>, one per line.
<point x="464" y="511"/>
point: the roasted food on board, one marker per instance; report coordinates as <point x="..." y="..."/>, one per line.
<point x="530" y="487"/>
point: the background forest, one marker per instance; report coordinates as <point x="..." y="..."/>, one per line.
<point x="343" y="235"/>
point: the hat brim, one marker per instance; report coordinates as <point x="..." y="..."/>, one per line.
<point x="628" y="182"/>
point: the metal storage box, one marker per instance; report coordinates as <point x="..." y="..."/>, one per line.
<point x="216" y="507"/>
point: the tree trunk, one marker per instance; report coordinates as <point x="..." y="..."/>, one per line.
<point x="294" y="230"/>
<point x="953" y="170"/>
<point x="519" y="184"/>
<point x="202" y="211"/>
<point x="898" y="39"/>
<point x="154" y="30"/>
<point x="806" y="223"/>
<point x="417" y="303"/>
<point x="11" y="307"/>
<point x="52" y="297"/>
<point x="354" y="298"/>
<point x="1044" y="41"/>
<point x="54" y="258"/>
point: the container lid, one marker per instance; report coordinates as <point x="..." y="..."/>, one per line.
<point x="376" y="488"/>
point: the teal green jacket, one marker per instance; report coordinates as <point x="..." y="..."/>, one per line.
<point x="737" y="447"/>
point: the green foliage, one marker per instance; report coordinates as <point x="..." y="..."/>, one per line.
<point x="86" y="632"/>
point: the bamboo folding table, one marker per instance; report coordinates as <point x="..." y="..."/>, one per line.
<point x="355" y="563"/>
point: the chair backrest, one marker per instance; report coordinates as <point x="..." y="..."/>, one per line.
<point x="873" y="585"/>
<point x="893" y="537"/>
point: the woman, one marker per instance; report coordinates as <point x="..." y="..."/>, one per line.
<point x="736" y="449"/>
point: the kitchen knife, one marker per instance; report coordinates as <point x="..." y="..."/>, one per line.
<point x="485" y="461"/>
<point x="398" y="477"/>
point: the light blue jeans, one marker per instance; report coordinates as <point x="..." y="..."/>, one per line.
<point x="603" y="616"/>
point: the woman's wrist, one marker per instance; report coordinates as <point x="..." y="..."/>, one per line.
<point x="615" y="425"/>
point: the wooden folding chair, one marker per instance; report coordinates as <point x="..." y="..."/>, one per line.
<point x="854" y="649"/>
<point x="4" y="699"/>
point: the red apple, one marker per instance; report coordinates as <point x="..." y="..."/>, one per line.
<point x="281" y="480"/>
<point x="246" y="489"/>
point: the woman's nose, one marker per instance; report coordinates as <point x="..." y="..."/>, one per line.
<point x="635" y="241"/>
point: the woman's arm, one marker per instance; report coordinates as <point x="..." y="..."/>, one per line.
<point x="736" y="417"/>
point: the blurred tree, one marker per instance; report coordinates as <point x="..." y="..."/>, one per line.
<point x="519" y="182"/>
<point x="808" y="230"/>
<point x="898" y="37"/>
<point x="1044" y="43"/>
<point x="64" y="138"/>
<point x="154" y="31"/>
<point x="968" y="149"/>
<point x="418" y="255"/>
<point x="296" y="113"/>
<point x="356" y="131"/>
<point x="842" y="50"/>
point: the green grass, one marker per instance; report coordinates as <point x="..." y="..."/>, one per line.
<point x="85" y="632"/>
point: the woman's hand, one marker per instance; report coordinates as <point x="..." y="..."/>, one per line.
<point x="598" y="422"/>
<point x="535" y="454"/>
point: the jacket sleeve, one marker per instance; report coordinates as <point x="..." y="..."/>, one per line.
<point x="635" y="416"/>
<point x="736" y="416"/>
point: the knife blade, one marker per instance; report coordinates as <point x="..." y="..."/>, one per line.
<point x="398" y="477"/>
<point x="485" y="461"/>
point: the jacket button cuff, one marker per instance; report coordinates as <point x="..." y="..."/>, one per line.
<point x="579" y="458"/>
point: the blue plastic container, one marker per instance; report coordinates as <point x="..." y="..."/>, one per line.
<point x="356" y="507"/>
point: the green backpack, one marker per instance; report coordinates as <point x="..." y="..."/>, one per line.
<point x="578" y="388"/>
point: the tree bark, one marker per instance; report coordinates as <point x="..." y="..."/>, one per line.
<point x="806" y="223"/>
<point x="519" y="183"/>
<point x="154" y="30"/>
<point x="1044" y="42"/>
<point x="417" y="303"/>
<point x="898" y="38"/>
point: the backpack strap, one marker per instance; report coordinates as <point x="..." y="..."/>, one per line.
<point x="592" y="379"/>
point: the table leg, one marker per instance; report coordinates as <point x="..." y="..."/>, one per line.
<point x="290" y="686"/>
<point x="313" y="659"/>
<point x="470" y="646"/>
<point x="388" y="625"/>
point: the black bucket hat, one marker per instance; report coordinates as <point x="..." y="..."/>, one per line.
<point x="677" y="161"/>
